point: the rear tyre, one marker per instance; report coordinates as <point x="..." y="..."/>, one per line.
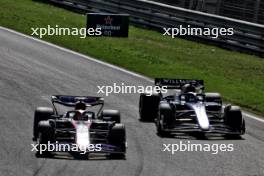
<point x="234" y="119"/>
<point x="117" y="137"/>
<point x="213" y="98"/>
<point x="113" y="115"/>
<point x="41" y="113"/>
<point x="148" y="107"/>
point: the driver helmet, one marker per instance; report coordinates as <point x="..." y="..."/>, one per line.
<point x="188" y="88"/>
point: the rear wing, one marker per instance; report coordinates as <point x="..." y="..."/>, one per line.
<point x="70" y="101"/>
<point x="178" y="83"/>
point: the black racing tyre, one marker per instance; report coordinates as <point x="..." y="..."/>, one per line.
<point x="243" y="128"/>
<point x="148" y="107"/>
<point x="46" y="130"/>
<point x="41" y="113"/>
<point x="166" y="119"/>
<point x="167" y="112"/>
<point x="45" y="136"/>
<point x="117" y="137"/>
<point x="234" y="119"/>
<point x="161" y="132"/>
<point x="213" y="97"/>
<point x="113" y="115"/>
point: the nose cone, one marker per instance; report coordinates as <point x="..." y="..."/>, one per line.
<point x="82" y="134"/>
<point x="200" y="112"/>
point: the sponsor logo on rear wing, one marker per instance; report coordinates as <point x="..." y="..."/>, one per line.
<point x="178" y="83"/>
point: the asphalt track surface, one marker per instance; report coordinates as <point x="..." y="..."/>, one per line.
<point x="31" y="71"/>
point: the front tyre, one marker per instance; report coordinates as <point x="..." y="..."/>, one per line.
<point x="165" y="120"/>
<point x="45" y="136"/>
<point x="234" y="119"/>
<point x="117" y="138"/>
<point x="41" y="113"/>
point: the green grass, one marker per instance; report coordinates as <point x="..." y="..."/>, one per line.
<point x="238" y="77"/>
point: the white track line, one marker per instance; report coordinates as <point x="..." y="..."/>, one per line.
<point x="101" y="62"/>
<point x="253" y="117"/>
<point x="78" y="54"/>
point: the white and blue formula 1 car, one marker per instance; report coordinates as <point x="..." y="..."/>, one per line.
<point x="80" y="121"/>
<point x="188" y="109"/>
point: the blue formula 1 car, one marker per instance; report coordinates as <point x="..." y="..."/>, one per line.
<point x="188" y="109"/>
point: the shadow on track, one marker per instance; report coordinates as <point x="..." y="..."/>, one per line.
<point x="80" y="157"/>
<point x="201" y="136"/>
